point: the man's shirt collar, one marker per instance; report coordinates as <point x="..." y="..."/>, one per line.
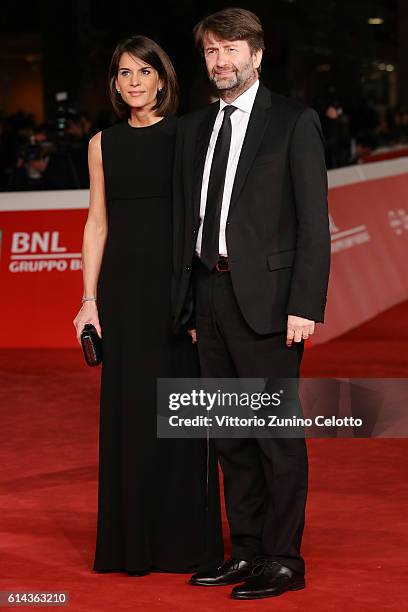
<point x="245" y="101"/>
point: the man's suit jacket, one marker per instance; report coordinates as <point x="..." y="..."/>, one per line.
<point x="277" y="231"/>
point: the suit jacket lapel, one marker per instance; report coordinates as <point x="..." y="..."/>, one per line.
<point x="258" y="122"/>
<point x="202" y="143"/>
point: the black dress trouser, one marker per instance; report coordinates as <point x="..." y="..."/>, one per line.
<point x="265" y="479"/>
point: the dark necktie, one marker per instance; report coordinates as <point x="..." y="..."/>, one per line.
<point x="216" y="181"/>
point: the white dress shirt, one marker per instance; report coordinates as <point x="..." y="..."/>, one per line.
<point x="239" y="123"/>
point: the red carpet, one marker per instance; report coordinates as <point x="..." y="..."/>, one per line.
<point x="355" y="541"/>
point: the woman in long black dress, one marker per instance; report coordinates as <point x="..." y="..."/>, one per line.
<point x="158" y="507"/>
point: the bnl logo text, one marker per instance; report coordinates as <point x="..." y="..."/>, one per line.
<point x="41" y="252"/>
<point x="35" y="242"/>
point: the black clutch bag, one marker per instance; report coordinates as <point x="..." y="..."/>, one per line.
<point x="91" y="345"/>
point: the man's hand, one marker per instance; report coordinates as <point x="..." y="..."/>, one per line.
<point x="193" y="334"/>
<point x="298" y="329"/>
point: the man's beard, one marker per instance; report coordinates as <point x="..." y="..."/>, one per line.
<point x="236" y="80"/>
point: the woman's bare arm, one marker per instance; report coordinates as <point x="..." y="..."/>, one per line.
<point x="95" y="233"/>
<point x="96" y="227"/>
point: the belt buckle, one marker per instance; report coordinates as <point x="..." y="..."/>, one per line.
<point x="219" y="266"/>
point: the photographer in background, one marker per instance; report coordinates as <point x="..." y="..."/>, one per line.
<point x="30" y="172"/>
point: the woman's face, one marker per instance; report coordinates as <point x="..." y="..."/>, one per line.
<point x="138" y="82"/>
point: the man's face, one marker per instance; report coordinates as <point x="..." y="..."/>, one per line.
<point x="230" y="63"/>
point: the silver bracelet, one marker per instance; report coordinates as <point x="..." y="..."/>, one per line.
<point x="88" y="299"/>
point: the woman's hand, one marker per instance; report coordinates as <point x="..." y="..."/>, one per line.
<point x="87" y="314"/>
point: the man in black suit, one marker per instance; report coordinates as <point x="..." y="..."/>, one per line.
<point x="251" y="216"/>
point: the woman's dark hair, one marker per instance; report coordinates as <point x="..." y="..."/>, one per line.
<point x="150" y="52"/>
<point x="231" y="24"/>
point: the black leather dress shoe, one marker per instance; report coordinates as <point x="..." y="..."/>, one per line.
<point x="230" y="572"/>
<point x="269" y="579"/>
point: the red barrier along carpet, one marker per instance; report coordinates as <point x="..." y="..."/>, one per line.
<point x="355" y="541"/>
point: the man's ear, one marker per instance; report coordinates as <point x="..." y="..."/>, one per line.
<point x="257" y="58"/>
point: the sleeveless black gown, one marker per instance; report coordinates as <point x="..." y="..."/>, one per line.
<point x="155" y="510"/>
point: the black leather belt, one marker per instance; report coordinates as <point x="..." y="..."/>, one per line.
<point x="222" y="264"/>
